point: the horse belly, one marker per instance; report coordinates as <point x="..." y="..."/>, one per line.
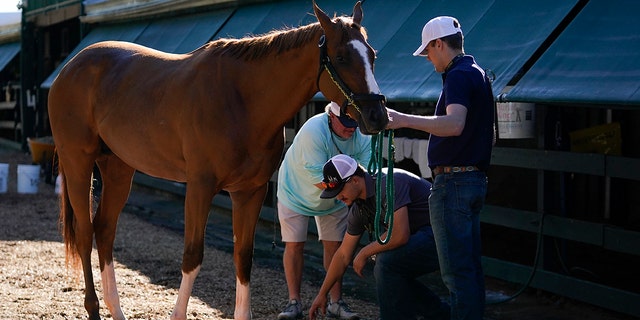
<point x="149" y="153"/>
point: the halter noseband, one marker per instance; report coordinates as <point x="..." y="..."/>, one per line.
<point x="351" y="98"/>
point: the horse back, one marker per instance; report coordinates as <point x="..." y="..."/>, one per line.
<point x="106" y="98"/>
<point x="158" y="112"/>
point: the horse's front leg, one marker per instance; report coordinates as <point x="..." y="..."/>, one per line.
<point x="246" y="207"/>
<point x="196" y="212"/>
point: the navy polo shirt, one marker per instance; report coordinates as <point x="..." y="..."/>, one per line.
<point x="465" y="83"/>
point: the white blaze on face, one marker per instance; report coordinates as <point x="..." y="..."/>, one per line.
<point x="371" y="80"/>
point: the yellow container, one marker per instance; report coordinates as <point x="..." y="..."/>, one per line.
<point x="41" y="149"/>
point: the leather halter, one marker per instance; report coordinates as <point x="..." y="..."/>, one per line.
<point x="351" y="98"/>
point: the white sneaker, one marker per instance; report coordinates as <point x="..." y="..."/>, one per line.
<point x="340" y="310"/>
<point x="292" y="311"/>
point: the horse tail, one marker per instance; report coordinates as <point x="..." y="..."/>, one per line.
<point x="66" y="222"/>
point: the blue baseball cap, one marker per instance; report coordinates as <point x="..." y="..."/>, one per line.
<point x="344" y="118"/>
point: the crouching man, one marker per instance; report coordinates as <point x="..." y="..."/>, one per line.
<point x="409" y="254"/>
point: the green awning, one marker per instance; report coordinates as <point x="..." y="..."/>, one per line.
<point x="403" y="77"/>
<point x="175" y="35"/>
<point x="381" y="20"/>
<point x="502" y="35"/>
<point x="510" y="32"/>
<point x="182" y="34"/>
<point x="264" y="17"/>
<point x="596" y="60"/>
<point x="8" y="51"/>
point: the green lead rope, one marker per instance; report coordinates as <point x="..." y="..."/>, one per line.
<point x="375" y="167"/>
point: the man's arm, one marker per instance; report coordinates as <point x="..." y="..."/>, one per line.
<point x="339" y="264"/>
<point x="400" y="234"/>
<point x="447" y="125"/>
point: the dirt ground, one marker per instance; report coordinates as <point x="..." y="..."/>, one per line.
<point x="35" y="283"/>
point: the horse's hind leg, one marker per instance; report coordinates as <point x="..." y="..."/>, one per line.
<point x="116" y="184"/>
<point x="78" y="166"/>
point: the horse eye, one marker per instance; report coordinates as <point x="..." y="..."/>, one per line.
<point x="340" y="59"/>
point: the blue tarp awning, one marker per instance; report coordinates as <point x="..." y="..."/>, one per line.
<point x="596" y="60"/>
<point x="502" y="35"/>
<point x="8" y="51"/>
<point x="182" y="34"/>
<point x="264" y="17"/>
<point x="174" y="35"/>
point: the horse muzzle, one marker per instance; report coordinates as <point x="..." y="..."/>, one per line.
<point x="372" y="112"/>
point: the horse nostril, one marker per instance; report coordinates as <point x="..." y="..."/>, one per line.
<point x="379" y="116"/>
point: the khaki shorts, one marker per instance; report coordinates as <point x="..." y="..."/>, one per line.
<point x="293" y="226"/>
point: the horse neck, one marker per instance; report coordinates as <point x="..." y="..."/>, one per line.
<point x="283" y="83"/>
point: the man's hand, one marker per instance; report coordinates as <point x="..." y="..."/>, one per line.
<point x="318" y="307"/>
<point x="359" y="262"/>
<point x="393" y="119"/>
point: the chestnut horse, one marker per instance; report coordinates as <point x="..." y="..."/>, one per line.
<point x="212" y="118"/>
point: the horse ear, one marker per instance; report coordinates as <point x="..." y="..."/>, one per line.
<point x="323" y="18"/>
<point x="357" y="13"/>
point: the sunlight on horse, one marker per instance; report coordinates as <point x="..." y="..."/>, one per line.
<point x="212" y="118"/>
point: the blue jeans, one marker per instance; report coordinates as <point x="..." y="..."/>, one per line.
<point x="400" y="294"/>
<point x="454" y="204"/>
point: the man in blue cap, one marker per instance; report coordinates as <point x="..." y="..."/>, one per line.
<point x="299" y="186"/>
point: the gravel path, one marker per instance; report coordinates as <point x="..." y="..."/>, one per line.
<point x="35" y="283"/>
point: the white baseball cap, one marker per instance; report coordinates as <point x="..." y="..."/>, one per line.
<point x="436" y="28"/>
<point x="337" y="171"/>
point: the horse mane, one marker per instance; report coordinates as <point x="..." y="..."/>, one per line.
<point x="276" y="41"/>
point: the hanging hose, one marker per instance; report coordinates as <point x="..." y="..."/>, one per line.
<point x="375" y="167"/>
<point x="558" y="145"/>
<point x="533" y="271"/>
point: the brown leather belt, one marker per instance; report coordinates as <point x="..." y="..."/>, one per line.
<point x="452" y="169"/>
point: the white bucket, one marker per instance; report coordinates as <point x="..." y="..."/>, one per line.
<point x="4" y="177"/>
<point x="516" y="120"/>
<point x="28" y="178"/>
<point x="58" y="184"/>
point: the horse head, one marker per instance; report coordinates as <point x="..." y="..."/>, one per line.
<point x="346" y="70"/>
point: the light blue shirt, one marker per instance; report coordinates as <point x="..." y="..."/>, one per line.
<point x="314" y="144"/>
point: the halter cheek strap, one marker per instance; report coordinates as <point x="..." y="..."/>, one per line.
<point x="351" y="98"/>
